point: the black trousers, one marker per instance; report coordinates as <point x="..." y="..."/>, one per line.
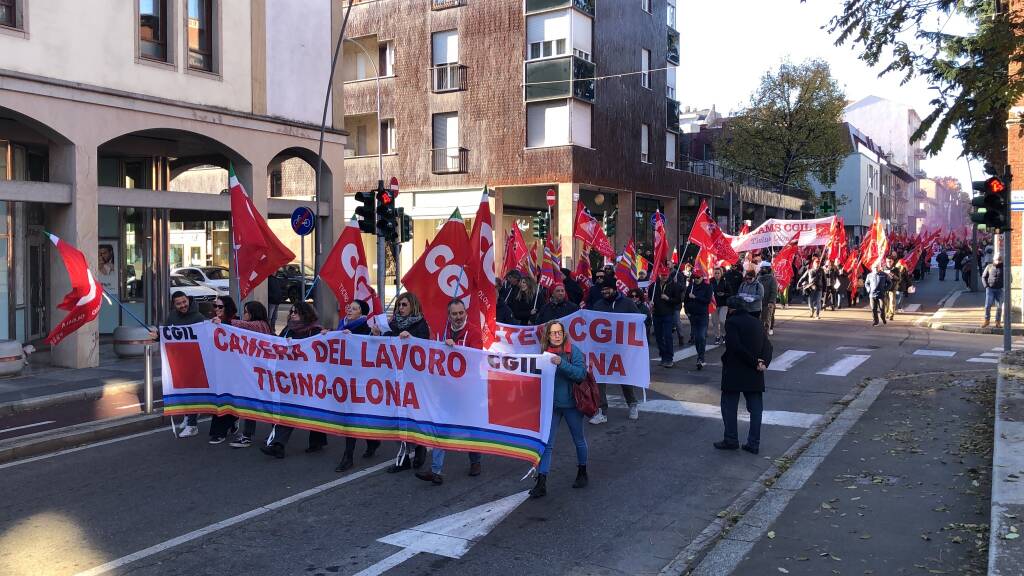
<point x="350" y="446"/>
<point x="878" y="309"/>
<point x="280" y="435"/>
<point x="730" y="406"/>
<point x="628" y="392"/>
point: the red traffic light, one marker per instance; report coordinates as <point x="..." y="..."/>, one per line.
<point x="994" y="186"/>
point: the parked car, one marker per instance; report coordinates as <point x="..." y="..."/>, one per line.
<point x="292" y="277"/>
<point x="216" y="277"/>
<point x="202" y="296"/>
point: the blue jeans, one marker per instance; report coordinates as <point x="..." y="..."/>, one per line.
<point x="437" y="460"/>
<point x="814" y="302"/>
<point x="699" y="328"/>
<point x="574" y="418"/>
<point x="755" y="405"/>
<point x="663" y="334"/>
<point x="994" y="296"/>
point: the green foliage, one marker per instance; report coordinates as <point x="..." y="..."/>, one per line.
<point x="792" y="128"/>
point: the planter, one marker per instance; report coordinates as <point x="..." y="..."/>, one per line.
<point x="130" y="341"/>
<point x="12" y="357"/>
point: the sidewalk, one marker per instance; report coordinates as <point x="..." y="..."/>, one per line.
<point x="964" y="311"/>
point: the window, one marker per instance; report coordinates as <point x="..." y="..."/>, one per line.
<point x="670" y="150"/>
<point x="200" y="35"/>
<point x="645" y="68"/>
<point x="645" y="144"/>
<point x="386" y="58"/>
<point x="11" y="13"/>
<point x="445" y="47"/>
<point x="671" y="15"/>
<point x="388" y="137"/>
<point x="153" y="29"/>
<point x="645" y="5"/>
<point x="547" y="48"/>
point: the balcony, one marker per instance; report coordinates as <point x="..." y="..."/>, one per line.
<point x="448" y="78"/>
<point x="584" y="6"/>
<point x="445" y="4"/>
<point x="672" y="121"/>
<point x="673" y="47"/>
<point x="567" y="77"/>
<point x="449" y="160"/>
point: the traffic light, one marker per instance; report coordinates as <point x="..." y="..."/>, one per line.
<point x="405" y="224"/>
<point x="540" y="226"/>
<point x="991" y="204"/>
<point x="367" y="213"/>
<point x="387" y="214"/>
<point x="609" y="225"/>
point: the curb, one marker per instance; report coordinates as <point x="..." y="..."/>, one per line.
<point x="969" y="329"/>
<point x="76" y="435"/>
<point x="85" y="394"/>
<point x="1006" y="555"/>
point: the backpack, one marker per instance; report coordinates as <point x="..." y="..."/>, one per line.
<point x="587" y="395"/>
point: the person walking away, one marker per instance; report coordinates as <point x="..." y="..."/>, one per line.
<point x="254" y="319"/>
<point x="877" y="284"/>
<point x="958" y="262"/>
<point x="752" y="291"/>
<point x="356" y="322"/>
<point x="967" y="269"/>
<point x="570" y="368"/>
<point x="843" y="292"/>
<point x="720" y="288"/>
<point x="942" y="259"/>
<point x="183" y="314"/>
<point x="812" y="284"/>
<point x="747" y="355"/>
<point x="766" y="276"/>
<point x="407" y="322"/>
<point x="275" y="296"/>
<point x="614" y="302"/>
<point x="458" y="332"/>
<point x="698" y="297"/>
<point x="559" y="306"/>
<point x="992" y="280"/>
<point x="665" y="299"/>
<point x="302" y="323"/>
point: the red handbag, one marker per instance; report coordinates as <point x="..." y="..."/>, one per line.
<point x="587" y="395"/>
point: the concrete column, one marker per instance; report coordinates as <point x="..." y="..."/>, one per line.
<point x="565" y="212"/>
<point x="75" y="223"/>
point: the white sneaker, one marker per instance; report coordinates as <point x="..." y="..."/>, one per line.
<point x="634" y="412"/>
<point x="599" y="418"/>
<point x="188" y="431"/>
<point x="771" y="332"/>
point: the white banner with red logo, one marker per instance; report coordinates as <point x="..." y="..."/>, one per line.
<point x="364" y="387"/>
<point x="775" y="232"/>
<point x="614" y="345"/>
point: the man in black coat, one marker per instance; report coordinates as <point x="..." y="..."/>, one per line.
<point x="747" y="355"/>
<point x="557" y="307"/>
<point x="613" y="302"/>
<point x="666" y="298"/>
<point x="698" y="297"/>
<point x="943" y="261"/>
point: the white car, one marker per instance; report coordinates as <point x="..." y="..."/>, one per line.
<point x="216" y="277"/>
<point x="197" y="292"/>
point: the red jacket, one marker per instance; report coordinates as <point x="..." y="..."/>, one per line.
<point x="469" y="336"/>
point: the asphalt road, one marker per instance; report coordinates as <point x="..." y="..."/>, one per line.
<point x="153" y="504"/>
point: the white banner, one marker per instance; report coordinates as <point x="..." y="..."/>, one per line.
<point x="365" y="387"/>
<point x="615" y="345"/>
<point x="776" y="232"/>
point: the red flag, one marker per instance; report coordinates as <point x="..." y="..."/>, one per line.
<point x="258" y="252"/>
<point x="910" y="260"/>
<point x="515" y="250"/>
<point x="876" y="244"/>
<point x="660" y="244"/>
<point x="440" y="273"/>
<point x="83" y="301"/>
<point x="836" y="245"/>
<point x="555" y="245"/>
<point x="482" y="312"/>
<point x="852" y="267"/>
<point x="745" y="229"/>
<point x="675" y="256"/>
<point x="532" y="263"/>
<point x="582" y="275"/>
<point x="625" y="268"/>
<point x="589" y="230"/>
<point x="706" y="234"/>
<point x="345" y="272"/>
<point x="782" y="264"/>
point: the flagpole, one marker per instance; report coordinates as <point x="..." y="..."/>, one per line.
<point x="113" y="298"/>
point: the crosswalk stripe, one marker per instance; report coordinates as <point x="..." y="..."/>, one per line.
<point x="787" y="359"/>
<point x="848" y="363"/>
<point x="984" y="360"/>
<point x="854" y="349"/>
<point x="991" y="354"/>
<point x="699" y="410"/>
<point x="927" y="352"/>
<point x="686" y="353"/>
<point x="911" y="307"/>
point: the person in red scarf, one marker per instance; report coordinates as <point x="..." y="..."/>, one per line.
<point x="457" y="332"/>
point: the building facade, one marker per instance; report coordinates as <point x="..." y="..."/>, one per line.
<point x="943" y="205"/>
<point x="118" y="122"/>
<point x="577" y="96"/>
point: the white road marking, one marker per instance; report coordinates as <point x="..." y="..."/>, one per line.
<point x="227" y="523"/>
<point x="686" y="353"/>
<point x="984" y="360"/>
<point x="699" y="410"/>
<point x="854" y="349"/>
<point x="911" y="307"/>
<point x="787" y="359"/>
<point x="848" y="363"/>
<point x="27" y="426"/>
<point x="927" y="352"/>
<point x="388" y="563"/>
<point x="992" y="354"/>
<point x="137" y="404"/>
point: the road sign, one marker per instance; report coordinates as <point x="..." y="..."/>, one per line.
<point x="393" y="185"/>
<point x="303" y="221"/>
<point x="551" y="197"/>
<point x="1017" y="200"/>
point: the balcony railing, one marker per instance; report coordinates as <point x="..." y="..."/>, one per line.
<point x="672" y="120"/>
<point x="445" y="4"/>
<point x="713" y="169"/>
<point x="585" y="6"/>
<point x="449" y="160"/>
<point x="448" y="78"/>
<point x="566" y="77"/>
<point x="673" y="47"/>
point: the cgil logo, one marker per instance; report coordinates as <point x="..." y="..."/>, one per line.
<point x="451" y="278"/>
<point x="179" y="333"/>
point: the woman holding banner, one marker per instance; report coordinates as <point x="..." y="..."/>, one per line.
<point x="355" y="322"/>
<point x="570" y="369"/>
<point x="255" y="319"/>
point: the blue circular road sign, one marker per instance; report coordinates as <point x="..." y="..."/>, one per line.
<point x="303" y="220"/>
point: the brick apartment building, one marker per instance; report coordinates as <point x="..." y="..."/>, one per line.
<point x="526" y="96"/>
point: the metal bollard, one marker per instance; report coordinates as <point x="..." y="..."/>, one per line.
<point x="149" y="379"/>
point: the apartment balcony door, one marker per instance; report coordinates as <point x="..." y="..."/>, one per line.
<point x="446" y="138"/>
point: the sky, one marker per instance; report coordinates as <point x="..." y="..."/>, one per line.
<point x="727" y="46"/>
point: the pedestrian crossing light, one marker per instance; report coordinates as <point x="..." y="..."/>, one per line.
<point x="990" y="204"/>
<point x="405" y="222"/>
<point x="367" y="212"/>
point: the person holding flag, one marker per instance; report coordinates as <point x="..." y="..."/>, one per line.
<point x="698" y="297"/>
<point x="666" y="298"/>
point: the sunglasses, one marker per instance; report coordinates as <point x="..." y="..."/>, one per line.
<point x="295" y="312"/>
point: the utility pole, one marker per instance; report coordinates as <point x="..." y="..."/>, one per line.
<point x="1007" y="269"/>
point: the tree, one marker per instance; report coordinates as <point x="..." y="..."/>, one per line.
<point x="971" y="73"/>
<point x="792" y="128"/>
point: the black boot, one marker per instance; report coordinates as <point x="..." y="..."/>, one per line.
<point x="420" y="456"/>
<point x="345" y="464"/>
<point x="581" y="477"/>
<point x="540" y="489"/>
